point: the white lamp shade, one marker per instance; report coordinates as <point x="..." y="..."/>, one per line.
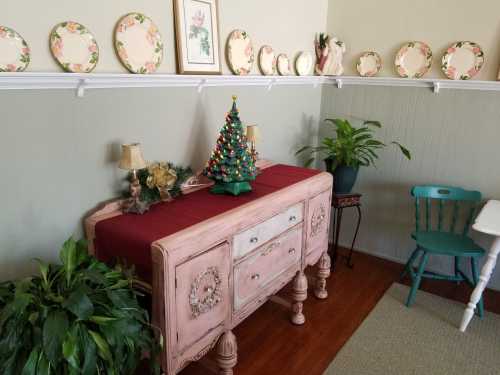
<point x="132" y="157"/>
<point x="253" y="133"/>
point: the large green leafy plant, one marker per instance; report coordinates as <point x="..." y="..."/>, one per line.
<point x="81" y="317"/>
<point x="352" y="147"/>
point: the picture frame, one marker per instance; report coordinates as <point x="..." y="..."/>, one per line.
<point x="197" y="36"/>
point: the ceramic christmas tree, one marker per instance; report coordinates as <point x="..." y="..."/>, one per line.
<point x="231" y="165"/>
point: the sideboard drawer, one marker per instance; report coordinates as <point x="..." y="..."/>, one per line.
<point x="254" y="237"/>
<point x="254" y="273"/>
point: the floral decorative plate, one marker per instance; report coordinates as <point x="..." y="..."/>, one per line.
<point x="14" y="51"/>
<point x="74" y="47"/>
<point x="369" y="64"/>
<point x="240" y="54"/>
<point x="267" y="61"/>
<point x="283" y="64"/>
<point x="413" y="60"/>
<point x="462" y="60"/>
<point x="138" y="43"/>
<point x="304" y="64"/>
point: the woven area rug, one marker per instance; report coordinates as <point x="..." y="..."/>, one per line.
<point x="423" y="339"/>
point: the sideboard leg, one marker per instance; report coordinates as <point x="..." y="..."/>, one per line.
<point x="227" y="353"/>
<point x="299" y="295"/>
<point x="323" y="274"/>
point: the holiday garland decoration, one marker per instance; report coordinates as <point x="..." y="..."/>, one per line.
<point x="161" y="181"/>
<point x="231" y="164"/>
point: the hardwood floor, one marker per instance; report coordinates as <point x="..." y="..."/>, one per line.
<point x="269" y="344"/>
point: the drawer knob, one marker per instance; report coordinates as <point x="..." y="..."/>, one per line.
<point x="253" y="240"/>
<point x="292" y="218"/>
<point x="255" y="276"/>
<point x="291" y="250"/>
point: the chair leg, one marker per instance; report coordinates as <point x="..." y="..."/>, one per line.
<point x="410" y="262"/>
<point x="457" y="267"/>
<point x="475" y="278"/>
<point x="418" y="278"/>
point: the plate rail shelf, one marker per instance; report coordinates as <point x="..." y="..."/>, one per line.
<point x="82" y="82"/>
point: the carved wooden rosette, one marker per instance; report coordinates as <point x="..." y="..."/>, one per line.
<point x="324" y="265"/>
<point x="299" y="295"/>
<point x="205" y="292"/>
<point x="227" y="353"/>
<point x="317" y="220"/>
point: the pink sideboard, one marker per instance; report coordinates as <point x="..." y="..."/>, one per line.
<point x="209" y="277"/>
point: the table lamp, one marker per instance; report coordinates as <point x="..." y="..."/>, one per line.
<point x="253" y="135"/>
<point x="132" y="160"/>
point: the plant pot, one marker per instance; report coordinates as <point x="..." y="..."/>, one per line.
<point x="344" y="177"/>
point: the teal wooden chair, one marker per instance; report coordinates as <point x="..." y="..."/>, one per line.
<point x="441" y="241"/>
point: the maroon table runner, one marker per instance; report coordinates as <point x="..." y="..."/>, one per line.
<point x="130" y="236"/>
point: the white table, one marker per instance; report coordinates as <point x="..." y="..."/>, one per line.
<point x="488" y="221"/>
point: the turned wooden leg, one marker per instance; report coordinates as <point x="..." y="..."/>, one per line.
<point x="227" y="353"/>
<point x="324" y="265"/>
<point x="476" y="295"/>
<point x="299" y="295"/>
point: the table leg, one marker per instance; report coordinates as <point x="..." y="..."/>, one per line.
<point x="323" y="273"/>
<point x="349" y="259"/>
<point x="481" y="285"/>
<point x="227" y="356"/>
<point x="299" y="295"/>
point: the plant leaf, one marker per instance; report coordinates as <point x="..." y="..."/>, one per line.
<point x="102" y="319"/>
<point x="54" y="333"/>
<point x="102" y="346"/>
<point x="70" y="349"/>
<point x="302" y="149"/>
<point x="31" y="364"/>
<point x="16" y="307"/>
<point x="43" y="367"/>
<point x="68" y="258"/>
<point x="89" y="352"/>
<point x="403" y="149"/>
<point x="44" y="271"/>
<point x="309" y="162"/>
<point x="373" y="123"/>
<point x="79" y="304"/>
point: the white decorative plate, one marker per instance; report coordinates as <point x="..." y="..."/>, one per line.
<point x="369" y="64"/>
<point x="138" y="43"/>
<point x="304" y="64"/>
<point x="240" y="54"/>
<point x="267" y="61"/>
<point x="283" y="64"/>
<point x="413" y="60"/>
<point x="14" y="51"/>
<point x="74" y="47"/>
<point x="462" y="60"/>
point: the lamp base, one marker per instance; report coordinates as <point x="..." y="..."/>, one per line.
<point x="134" y="206"/>
<point x="234" y="188"/>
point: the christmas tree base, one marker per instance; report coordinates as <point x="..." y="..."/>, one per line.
<point x="234" y="188"/>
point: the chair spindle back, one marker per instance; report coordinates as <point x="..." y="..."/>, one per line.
<point x="458" y="196"/>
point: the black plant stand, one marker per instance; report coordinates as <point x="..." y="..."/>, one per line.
<point x="339" y="202"/>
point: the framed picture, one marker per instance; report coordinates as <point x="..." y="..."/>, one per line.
<point x="197" y="36"/>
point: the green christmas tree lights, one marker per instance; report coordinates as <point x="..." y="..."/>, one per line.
<point x="231" y="165"/>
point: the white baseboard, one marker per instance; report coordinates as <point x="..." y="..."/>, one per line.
<point x="398" y="260"/>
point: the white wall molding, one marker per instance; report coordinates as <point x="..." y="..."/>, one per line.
<point x="82" y="82"/>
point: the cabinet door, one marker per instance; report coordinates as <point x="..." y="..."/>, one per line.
<point x="202" y="295"/>
<point x="318" y="221"/>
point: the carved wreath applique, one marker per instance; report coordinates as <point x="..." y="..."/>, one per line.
<point x="317" y="220"/>
<point x="205" y="292"/>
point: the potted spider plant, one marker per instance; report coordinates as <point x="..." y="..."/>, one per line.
<point x="348" y="150"/>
